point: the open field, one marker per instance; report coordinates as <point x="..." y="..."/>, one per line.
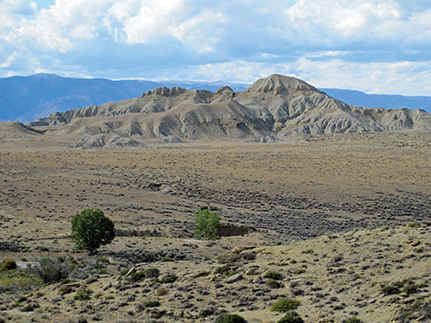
<point x="311" y="187"/>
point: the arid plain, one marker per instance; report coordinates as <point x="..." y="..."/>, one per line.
<point x="302" y="190"/>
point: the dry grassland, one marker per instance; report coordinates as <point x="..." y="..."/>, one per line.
<point x="310" y="187"/>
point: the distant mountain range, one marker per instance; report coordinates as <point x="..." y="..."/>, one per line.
<point x="25" y="99"/>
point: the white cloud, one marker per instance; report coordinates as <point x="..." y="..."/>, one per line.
<point x="364" y="44"/>
<point x="18" y="7"/>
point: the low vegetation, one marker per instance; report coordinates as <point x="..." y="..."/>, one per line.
<point x="284" y="305"/>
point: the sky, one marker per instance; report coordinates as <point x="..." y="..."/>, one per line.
<point x="374" y="46"/>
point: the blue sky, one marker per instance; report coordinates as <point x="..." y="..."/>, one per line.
<point x="368" y="45"/>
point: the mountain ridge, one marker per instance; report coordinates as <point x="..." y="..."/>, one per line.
<point x="271" y="109"/>
<point x="26" y="98"/>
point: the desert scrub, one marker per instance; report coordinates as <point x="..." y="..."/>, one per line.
<point x="82" y="295"/>
<point x="168" y="259"/>
<point x="51" y="269"/>
<point x="284" y="305"/>
<point x="308" y="251"/>
<point x="161" y="292"/>
<point x="151" y="273"/>
<point x="272" y="283"/>
<point x="8" y="264"/>
<point x="390" y="290"/>
<point x="354" y="319"/>
<point x="298" y="271"/>
<point x="229" y="318"/>
<point x="136" y="276"/>
<point x="224" y="270"/>
<point x="65" y="289"/>
<point x="20" y="300"/>
<point x="168" y="279"/>
<point x="151" y="304"/>
<point x="273" y="275"/>
<point x="291" y="318"/>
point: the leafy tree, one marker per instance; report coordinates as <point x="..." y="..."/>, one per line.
<point x="206" y="223"/>
<point x="92" y="229"/>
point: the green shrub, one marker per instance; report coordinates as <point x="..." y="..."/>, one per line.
<point x="8" y="264"/>
<point x="151" y="303"/>
<point x="273" y="275"/>
<point x="206" y="224"/>
<point x="65" y="289"/>
<point x="27" y="308"/>
<point x="308" y="251"/>
<point x="411" y="289"/>
<point x="272" y="283"/>
<point x="291" y="318"/>
<point x="229" y="318"/>
<point x="168" y="259"/>
<point x="206" y="312"/>
<point x="284" y="305"/>
<point x="161" y="292"/>
<point x="234" y="257"/>
<point x="82" y="295"/>
<point x="224" y="270"/>
<point x="168" y="279"/>
<point x="136" y="276"/>
<point x="20" y="300"/>
<point x="151" y="272"/>
<point x="354" y="319"/>
<point x="390" y="290"/>
<point x="92" y="229"/>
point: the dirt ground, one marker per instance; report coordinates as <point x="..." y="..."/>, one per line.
<point x="312" y="186"/>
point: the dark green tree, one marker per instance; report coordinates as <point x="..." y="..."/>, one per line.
<point x="92" y="229"/>
<point x="206" y="224"/>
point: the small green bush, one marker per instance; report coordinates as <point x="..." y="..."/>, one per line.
<point x="272" y="283"/>
<point x="206" y="312"/>
<point x="390" y="290"/>
<point x="9" y="264"/>
<point x="65" y="289"/>
<point x="234" y="257"/>
<point x="20" y="300"/>
<point x="354" y="319"/>
<point x="224" y="270"/>
<point x="291" y="318"/>
<point x="168" y="259"/>
<point x="229" y="318"/>
<point x="168" y="279"/>
<point x="151" y="273"/>
<point x="273" y="275"/>
<point x="27" y="308"/>
<point x="151" y="304"/>
<point x="82" y="295"/>
<point x="284" y="305"/>
<point x="161" y="292"/>
<point x="136" y="276"/>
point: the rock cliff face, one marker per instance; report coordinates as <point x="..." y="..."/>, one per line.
<point x="270" y="109"/>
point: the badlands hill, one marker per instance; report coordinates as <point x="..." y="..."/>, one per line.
<point x="271" y="109"/>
